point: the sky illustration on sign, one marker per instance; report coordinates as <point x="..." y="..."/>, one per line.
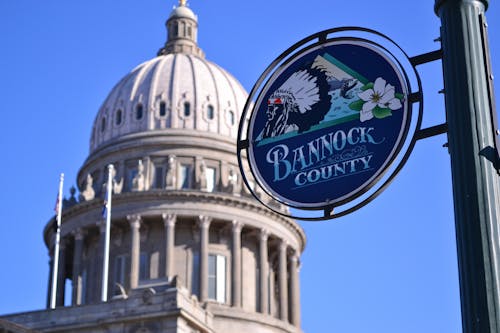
<point x="351" y="96"/>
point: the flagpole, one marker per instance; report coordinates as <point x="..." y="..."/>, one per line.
<point x="57" y="241"/>
<point x="105" y="266"/>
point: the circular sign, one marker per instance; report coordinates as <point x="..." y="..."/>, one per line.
<point x="328" y="123"/>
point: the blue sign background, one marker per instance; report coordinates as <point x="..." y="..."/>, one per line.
<point x="313" y="153"/>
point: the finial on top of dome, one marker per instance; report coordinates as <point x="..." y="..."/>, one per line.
<point x="182" y="2"/>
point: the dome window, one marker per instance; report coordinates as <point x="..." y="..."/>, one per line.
<point x="163" y="109"/>
<point x="183" y="29"/>
<point x="159" y="177"/>
<point x="210" y="177"/>
<point x="210" y="112"/>
<point x="120" y="272"/>
<point x="231" y="117"/>
<point x="175" y="30"/>
<point x="118" y="119"/>
<point x="103" y="124"/>
<point x="139" y="111"/>
<point x="143" y="266"/>
<point x="187" y="109"/>
<point x="184" y="177"/>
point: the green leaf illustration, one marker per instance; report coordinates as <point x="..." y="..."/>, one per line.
<point x="367" y="86"/>
<point x="380" y="113"/>
<point x="357" y="105"/>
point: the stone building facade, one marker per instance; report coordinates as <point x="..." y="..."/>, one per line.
<point x="190" y="249"/>
<point x="10" y="327"/>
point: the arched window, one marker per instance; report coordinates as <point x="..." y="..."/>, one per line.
<point x="118" y="119"/>
<point x="231" y="118"/>
<point x="175" y="30"/>
<point x="187" y="109"/>
<point x="103" y="124"/>
<point x="183" y="29"/>
<point x="139" y="111"/>
<point x="163" y="109"/>
<point x="210" y="112"/>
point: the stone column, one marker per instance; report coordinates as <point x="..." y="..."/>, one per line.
<point x="76" y="297"/>
<point x="169" y="221"/>
<point x="294" y="290"/>
<point x="204" y="223"/>
<point x="135" y="248"/>
<point x="282" y="281"/>
<point x="61" y="274"/>
<point x="264" y="272"/>
<point x="236" y="263"/>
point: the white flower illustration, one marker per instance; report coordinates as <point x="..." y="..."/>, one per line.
<point x="382" y="95"/>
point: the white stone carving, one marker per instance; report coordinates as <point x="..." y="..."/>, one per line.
<point x="202" y="176"/>
<point x="170" y="178"/>
<point x="232" y="181"/>
<point x="117" y="185"/>
<point x="139" y="179"/>
<point x="88" y="193"/>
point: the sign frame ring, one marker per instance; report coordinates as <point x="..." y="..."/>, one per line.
<point x="414" y="97"/>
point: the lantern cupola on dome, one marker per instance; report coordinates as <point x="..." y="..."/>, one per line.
<point x="182" y="32"/>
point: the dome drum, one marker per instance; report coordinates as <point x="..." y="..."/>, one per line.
<point x="174" y="162"/>
<point x="137" y="215"/>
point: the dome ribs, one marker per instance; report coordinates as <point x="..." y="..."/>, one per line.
<point x="219" y="109"/>
<point x="195" y="92"/>
<point x="143" y="80"/>
<point x="175" y="79"/>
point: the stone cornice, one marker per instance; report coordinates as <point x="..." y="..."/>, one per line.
<point x="173" y="303"/>
<point x="9" y="326"/>
<point x="168" y="304"/>
<point x="161" y="137"/>
<point x="212" y="198"/>
<point x="224" y="311"/>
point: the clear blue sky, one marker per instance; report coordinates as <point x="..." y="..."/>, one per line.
<point x="390" y="267"/>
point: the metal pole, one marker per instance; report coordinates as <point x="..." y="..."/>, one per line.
<point x="473" y="151"/>
<point x="105" y="266"/>
<point x="55" y="266"/>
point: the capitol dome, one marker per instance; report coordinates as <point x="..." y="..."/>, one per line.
<point x="183" y="246"/>
<point x="179" y="89"/>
